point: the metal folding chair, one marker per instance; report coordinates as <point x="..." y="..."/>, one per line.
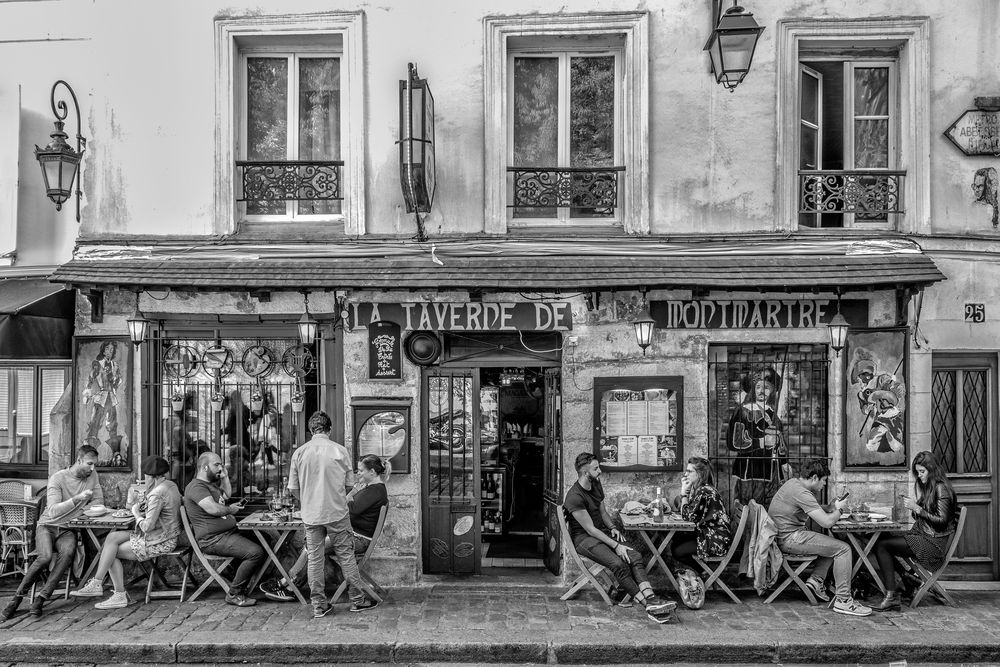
<point x="213" y="564"/>
<point x="722" y="562"/>
<point x="365" y="577"/>
<point x="589" y="569"/>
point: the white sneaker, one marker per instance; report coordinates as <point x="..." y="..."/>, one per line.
<point x="851" y="607"/>
<point x="92" y="589"/>
<point x="118" y="600"/>
<point x="818" y="589"/>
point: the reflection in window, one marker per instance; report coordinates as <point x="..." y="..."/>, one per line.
<point x="383" y="435"/>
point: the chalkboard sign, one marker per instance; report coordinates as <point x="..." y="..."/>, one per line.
<point x="385" y="361"/>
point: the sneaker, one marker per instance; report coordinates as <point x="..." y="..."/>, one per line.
<point x="851" y="607"/>
<point x="273" y="590"/>
<point x="240" y="600"/>
<point x="321" y="609"/>
<point x="92" y="589"/>
<point x="661" y="617"/>
<point x="36" y="606"/>
<point x="655" y="605"/>
<point x="118" y="600"/>
<point x="11" y="608"/>
<point x="818" y="589"/>
<point x="364" y="605"/>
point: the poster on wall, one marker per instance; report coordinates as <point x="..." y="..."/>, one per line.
<point x="102" y="398"/>
<point x="638" y="422"/>
<point x="875" y="399"/>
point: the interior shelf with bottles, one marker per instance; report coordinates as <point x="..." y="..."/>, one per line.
<point x="494" y="500"/>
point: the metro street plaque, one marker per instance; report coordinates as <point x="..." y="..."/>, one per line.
<point x="976" y="132"/>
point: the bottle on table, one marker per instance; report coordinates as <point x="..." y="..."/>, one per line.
<point x="658" y="506"/>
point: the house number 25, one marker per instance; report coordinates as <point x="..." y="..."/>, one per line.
<point x="975" y="312"/>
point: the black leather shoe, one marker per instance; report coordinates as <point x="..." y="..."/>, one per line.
<point x="36" y="606"/>
<point x="11" y="608"/>
<point x="891" y="602"/>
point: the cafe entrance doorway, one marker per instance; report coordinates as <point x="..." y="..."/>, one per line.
<point x="491" y="466"/>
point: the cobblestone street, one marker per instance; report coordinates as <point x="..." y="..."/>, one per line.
<point x="483" y="624"/>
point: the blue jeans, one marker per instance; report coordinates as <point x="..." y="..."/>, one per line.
<point x="297" y="572"/>
<point x="49" y="541"/>
<point x="830" y="550"/>
<point x="629" y="575"/>
<point x="248" y="552"/>
<point x="342" y="540"/>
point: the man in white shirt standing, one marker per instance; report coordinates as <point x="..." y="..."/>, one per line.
<point x="318" y="476"/>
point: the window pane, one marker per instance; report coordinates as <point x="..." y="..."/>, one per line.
<point x="810" y="98"/>
<point x="54" y="383"/>
<point x="871" y="144"/>
<point x="23" y="447"/>
<point x="6" y="380"/>
<point x="592" y="129"/>
<point x="536" y="120"/>
<point x="871" y="91"/>
<point x="807" y="154"/>
<point x="267" y="119"/>
<point x="319" y="119"/>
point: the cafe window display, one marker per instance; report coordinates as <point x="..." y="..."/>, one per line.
<point x="767" y="413"/>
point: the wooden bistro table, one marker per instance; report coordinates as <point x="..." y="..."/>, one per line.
<point x="90" y="526"/>
<point x="257" y="523"/>
<point x="671" y="525"/>
<point x="856" y="532"/>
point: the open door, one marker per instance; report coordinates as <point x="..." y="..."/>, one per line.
<point x="450" y="479"/>
<point x="552" y="491"/>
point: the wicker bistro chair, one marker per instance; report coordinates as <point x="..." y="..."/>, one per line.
<point x="17" y="527"/>
<point x="374" y="590"/>
<point x="590" y="570"/>
<point x="213" y="564"/>
<point x="721" y="562"/>
<point x="930" y="578"/>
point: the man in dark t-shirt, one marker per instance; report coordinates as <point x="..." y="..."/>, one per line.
<point x="593" y="537"/>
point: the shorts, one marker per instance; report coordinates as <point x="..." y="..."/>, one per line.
<point x="143" y="551"/>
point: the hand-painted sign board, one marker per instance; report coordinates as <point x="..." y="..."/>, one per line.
<point x="756" y="313"/>
<point x="385" y="360"/>
<point x="976" y="132"/>
<point x="466" y="316"/>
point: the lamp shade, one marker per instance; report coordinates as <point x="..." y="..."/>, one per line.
<point x="643" y="329"/>
<point x="732" y="45"/>
<point x="308" y="328"/>
<point x="138" y="327"/>
<point x="838" y="332"/>
<point x="59" y="163"/>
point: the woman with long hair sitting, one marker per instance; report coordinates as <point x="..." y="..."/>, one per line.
<point x="935" y="514"/>
<point x="700" y="503"/>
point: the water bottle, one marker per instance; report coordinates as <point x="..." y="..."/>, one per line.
<point x="658" y="506"/>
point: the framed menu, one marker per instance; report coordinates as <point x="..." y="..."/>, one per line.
<point x="638" y="422"/>
<point x="384" y="359"/>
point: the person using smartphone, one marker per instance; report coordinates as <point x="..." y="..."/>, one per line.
<point x="934" y="512"/>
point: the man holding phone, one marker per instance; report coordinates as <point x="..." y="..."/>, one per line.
<point x="214" y="524"/>
<point x="795" y="502"/>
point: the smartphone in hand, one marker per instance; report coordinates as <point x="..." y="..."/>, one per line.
<point x="843" y="495"/>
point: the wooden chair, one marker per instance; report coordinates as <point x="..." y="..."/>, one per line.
<point x="589" y="572"/>
<point x="213" y="564"/>
<point x="721" y="562"/>
<point x="930" y="579"/>
<point x="182" y="554"/>
<point x="794" y="575"/>
<point x="371" y="585"/>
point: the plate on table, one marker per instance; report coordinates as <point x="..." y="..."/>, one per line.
<point x="95" y="511"/>
<point x="121" y="514"/>
<point x="877" y="516"/>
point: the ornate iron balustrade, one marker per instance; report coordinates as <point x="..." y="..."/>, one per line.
<point x="290" y="180"/>
<point x="864" y="192"/>
<point x="577" y="187"/>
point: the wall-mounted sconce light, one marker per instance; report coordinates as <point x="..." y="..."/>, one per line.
<point x="732" y="43"/>
<point x="838" y="330"/>
<point x="416" y="145"/>
<point x="308" y="327"/>
<point x="138" y="326"/>
<point x="643" y="327"/>
<point x="60" y="163"/>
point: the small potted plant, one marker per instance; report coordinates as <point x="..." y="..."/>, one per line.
<point x="256" y="402"/>
<point x="217" y="400"/>
<point x="298" y="401"/>
<point x="177" y="401"/>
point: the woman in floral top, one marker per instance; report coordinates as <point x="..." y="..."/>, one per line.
<point x="700" y="503"/>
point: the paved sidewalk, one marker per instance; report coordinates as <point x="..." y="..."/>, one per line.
<point x="476" y="623"/>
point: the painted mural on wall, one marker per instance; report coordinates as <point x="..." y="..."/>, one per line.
<point x="984" y="187"/>
<point x="102" y="381"/>
<point x="756" y="433"/>
<point x="876" y="401"/>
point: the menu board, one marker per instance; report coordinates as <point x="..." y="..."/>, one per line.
<point x="638" y="422"/>
<point x="384" y="359"/>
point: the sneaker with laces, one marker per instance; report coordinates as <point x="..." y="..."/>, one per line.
<point x="321" y="609"/>
<point x="240" y="600"/>
<point x="851" y="607"/>
<point x="818" y="589"/>
<point x="655" y="605"/>
<point x="118" y="600"/>
<point x="364" y="605"/>
<point x="661" y="617"/>
<point x="92" y="589"/>
<point x="273" y="590"/>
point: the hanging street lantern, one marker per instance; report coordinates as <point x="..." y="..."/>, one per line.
<point x="308" y="327"/>
<point x="59" y="162"/>
<point x="838" y="331"/>
<point x="138" y="326"/>
<point x="732" y="44"/>
<point x="643" y="329"/>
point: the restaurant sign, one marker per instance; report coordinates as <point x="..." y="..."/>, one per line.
<point x="466" y="316"/>
<point x="756" y="313"/>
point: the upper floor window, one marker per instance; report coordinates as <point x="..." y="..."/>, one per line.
<point x="565" y="135"/>
<point x="566" y="121"/>
<point x="28" y="393"/>
<point x="291" y="119"/>
<point x="853" y="125"/>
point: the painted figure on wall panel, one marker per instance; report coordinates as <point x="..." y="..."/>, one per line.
<point x="102" y="398"/>
<point x="756" y="434"/>
<point x="876" y="399"/>
<point x="985" y="187"/>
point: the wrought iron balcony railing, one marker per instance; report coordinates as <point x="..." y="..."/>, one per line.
<point x="289" y="180"/>
<point x="576" y="187"/>
<point x="863" y="192"/>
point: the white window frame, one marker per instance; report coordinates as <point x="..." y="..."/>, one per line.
<point x="634" y="107"/>
<point x="230" y="36"/>
<point x="563" y="217"/>
<point x="911" y="36"/>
